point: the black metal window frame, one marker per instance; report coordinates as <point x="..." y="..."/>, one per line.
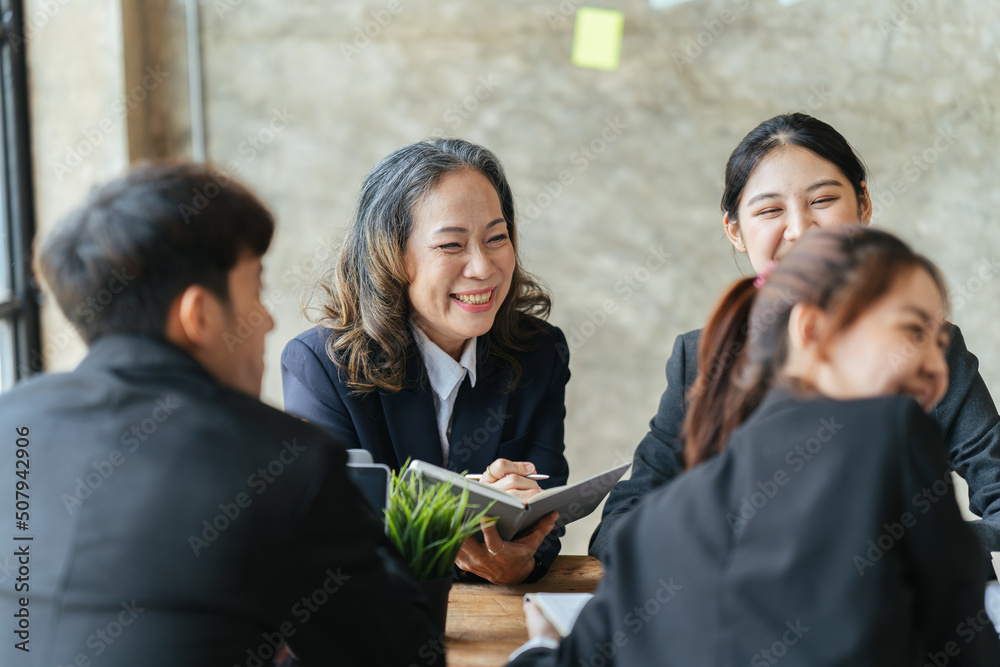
<point x="20" y="338"/>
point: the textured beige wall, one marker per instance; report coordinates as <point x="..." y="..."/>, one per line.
<point x="76" y="83"/>
<point x="915" y="86"/>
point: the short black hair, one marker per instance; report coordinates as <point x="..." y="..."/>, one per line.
<point x="116" y="263"/>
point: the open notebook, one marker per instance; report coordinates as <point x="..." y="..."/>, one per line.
<point x="572" y="501"/>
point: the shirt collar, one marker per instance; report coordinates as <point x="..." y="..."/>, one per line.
<point x="444" y="372"/>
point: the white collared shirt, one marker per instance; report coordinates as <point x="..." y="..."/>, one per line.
<point x="446" y="376"/>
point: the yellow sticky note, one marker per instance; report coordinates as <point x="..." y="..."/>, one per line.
<point x="597" y="39"/>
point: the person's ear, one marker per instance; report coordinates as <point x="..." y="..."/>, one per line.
<point x="865" y="205"/>
<point x="196" y="318"/>
<point x="733" y="233"/>
<point x="806" y="329"/>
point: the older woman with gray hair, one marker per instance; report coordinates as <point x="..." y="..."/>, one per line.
<point x="432" y="343"/>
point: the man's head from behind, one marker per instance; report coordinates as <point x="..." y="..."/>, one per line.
<point x="172" y="252"/>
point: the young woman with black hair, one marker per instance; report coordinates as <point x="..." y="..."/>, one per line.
<point x="811" y="527"/>
<point x="788" y="175"/>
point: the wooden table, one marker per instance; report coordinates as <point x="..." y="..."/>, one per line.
<point x="486" y="622"/>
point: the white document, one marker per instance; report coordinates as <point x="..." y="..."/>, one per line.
<point x="560" y="609"/>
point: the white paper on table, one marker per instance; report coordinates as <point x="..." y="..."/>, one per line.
<point x="560" y="609"/>
<point x="993" y="604"/>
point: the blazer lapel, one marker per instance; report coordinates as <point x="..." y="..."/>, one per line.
<point x="478" y="419"/>
<point x="411" y="419"/>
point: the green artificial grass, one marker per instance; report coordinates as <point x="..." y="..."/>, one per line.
<point x="427" y="523"/>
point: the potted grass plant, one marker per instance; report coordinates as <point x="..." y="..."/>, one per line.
<point x="428" y="522"/>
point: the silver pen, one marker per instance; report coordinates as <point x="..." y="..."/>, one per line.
<point x="477" y="476"/>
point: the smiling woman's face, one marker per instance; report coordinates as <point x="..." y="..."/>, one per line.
<point x="897" y="346"/>
<point x="459" y="259"/>
<point x="790" y="190"/>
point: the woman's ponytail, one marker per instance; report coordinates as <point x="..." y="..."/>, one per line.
<point x="711" y="399"/>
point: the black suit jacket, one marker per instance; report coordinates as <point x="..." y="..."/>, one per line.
<point x="814" y="539"/>
<point x="966" y="416"/>
<point x="489" y="422"/>
<point x="178" y="522"/>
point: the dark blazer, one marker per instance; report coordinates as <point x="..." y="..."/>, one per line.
<point x="178" y="522"/>
<point x="784" y="549"/>
<point x="966" y="416"/>
<point x="489" y="422"/>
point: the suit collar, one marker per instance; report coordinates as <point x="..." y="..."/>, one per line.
<point x="476" y="421"/>
<point x="443" y="372"/>
<point x="415" y="379"/>
<point x="782" y="394"/>
<point x="131" y="352"/>
<point x="411" y="419"/>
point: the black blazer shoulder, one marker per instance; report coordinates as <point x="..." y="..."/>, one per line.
<point x="786" y="535"/>
<point x="659" y="456"/>
<point x="490" y="420"/>
<point x="212" y="512"/>
<point x="967" y="418"/>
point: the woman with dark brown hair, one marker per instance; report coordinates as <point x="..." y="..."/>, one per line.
<point x="817" y="526"/>
<point x="790" y="174"/>
<point x="433" y="345"/>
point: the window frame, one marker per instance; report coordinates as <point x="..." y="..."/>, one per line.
<point x="20" y="334"/>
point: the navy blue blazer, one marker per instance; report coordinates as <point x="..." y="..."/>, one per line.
<point x="966" y="417"/>
<point x="814" y="539"/>
<point x="526" y="424"/>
